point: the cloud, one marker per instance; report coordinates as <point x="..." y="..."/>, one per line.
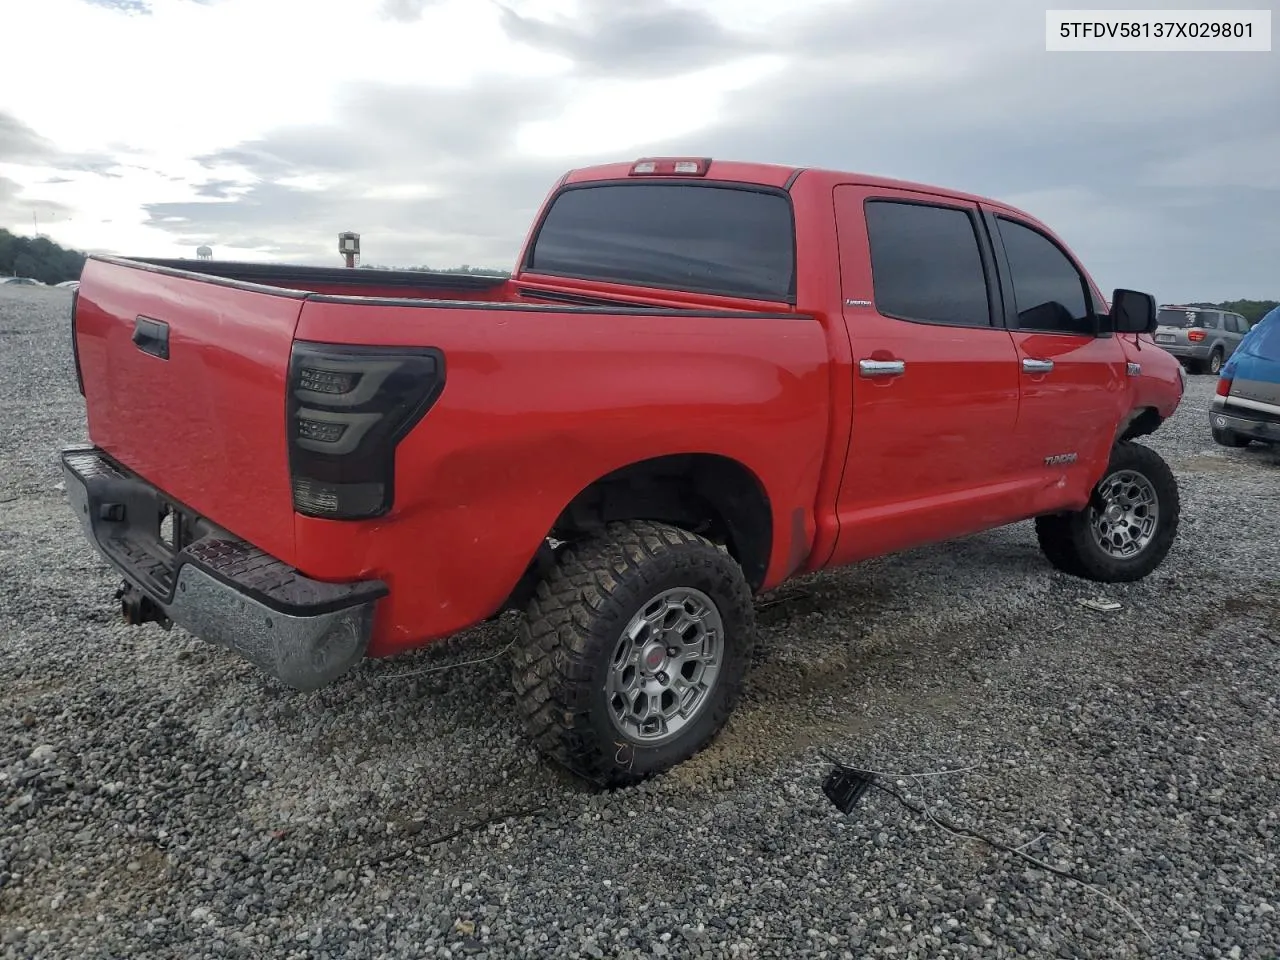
<point x="406" y="11"/>
<point x="1142" y="162"/>
<point x="218" y="189"/>
<point x="20" y="144"/>
<point x="429" y="176"/>
<point x="17" y="207"/>
<point x="123" y="6"/>
<point x="1241" y="162"/>
<point x="1155" y="168"/>
<point x="966" y="98"/>
<point x="654" y="38"/>
<point x="143" y="7"/>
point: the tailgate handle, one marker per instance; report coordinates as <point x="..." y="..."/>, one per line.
<point x="152" y="336"/>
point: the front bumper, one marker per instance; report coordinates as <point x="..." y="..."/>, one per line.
<point x="1222" y="417"/>
<point x="304" y="632"/>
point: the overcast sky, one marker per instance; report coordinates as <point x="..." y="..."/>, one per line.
<point x="435" y="127"/>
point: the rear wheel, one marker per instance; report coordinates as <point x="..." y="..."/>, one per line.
<point x="1128" y="527"/>
<point x="1215" y="362"/>
<point x="633" y="652"/>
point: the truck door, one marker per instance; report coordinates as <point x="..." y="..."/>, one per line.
<point x="935" y="374"/>
<point x="1074" y="375"/>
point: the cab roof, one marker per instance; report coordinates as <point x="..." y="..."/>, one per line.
<point x="764" y="174"/>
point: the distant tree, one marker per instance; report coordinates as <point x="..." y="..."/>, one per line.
<point x="39" y="258"/>
<point x="1251" y="310"/>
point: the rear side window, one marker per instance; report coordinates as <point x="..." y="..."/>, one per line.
<point x="925" y="264"/>
<point x="1048" y="290"/>
<point x="697" y="238"/>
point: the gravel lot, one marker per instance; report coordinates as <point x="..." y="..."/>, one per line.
<point x="162" y="799"/>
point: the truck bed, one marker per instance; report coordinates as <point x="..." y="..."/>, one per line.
<point x="526" y="383"/>
<point x="414" y="284"/>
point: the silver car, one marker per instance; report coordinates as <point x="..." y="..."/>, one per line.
<point x="1201" y="337"/>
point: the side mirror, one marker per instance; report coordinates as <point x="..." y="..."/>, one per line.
<point x="1133" y="312"/>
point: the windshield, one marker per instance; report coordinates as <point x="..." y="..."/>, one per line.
<point x="1179" y="318"/>
<point x="726" y="240"/>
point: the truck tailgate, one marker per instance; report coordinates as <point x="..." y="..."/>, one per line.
<point x="200" y="415"/>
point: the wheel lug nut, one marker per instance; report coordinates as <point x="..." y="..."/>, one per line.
<point x="662" y="678"/>
<point x="672" y="651"/>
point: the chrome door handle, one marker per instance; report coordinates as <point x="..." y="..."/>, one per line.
<point x="1036" y="366"/>
<point x="881" y="368"/>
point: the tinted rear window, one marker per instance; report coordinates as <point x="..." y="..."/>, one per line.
<point x="1180" y="318"/>
<point x="702" y="239"/>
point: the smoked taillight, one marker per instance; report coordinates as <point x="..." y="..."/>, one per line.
<point x="348" y="409"/>
<point x="1195" y="336"/>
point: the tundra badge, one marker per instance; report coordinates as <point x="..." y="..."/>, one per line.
<point x="1059" y="459"/>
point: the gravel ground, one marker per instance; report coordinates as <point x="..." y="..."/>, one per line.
<point x="162" y="799"/>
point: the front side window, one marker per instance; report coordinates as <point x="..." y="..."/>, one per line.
<point x="728" y="241"/>
<point x="1049" y="292"/>
<point x="926" y="265"/>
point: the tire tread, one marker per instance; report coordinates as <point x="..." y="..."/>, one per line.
<point x="576" y="609"/>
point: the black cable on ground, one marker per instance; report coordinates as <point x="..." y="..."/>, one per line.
<point x="870" y="779"/>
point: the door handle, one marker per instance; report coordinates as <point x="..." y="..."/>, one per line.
<point x="882" y="368"/>
<point x="1036" y="366"/>
<point x="151" y="336"/>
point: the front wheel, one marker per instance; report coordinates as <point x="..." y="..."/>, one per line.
<point x="1128" y="527"/>
<point x="633" y="652"/>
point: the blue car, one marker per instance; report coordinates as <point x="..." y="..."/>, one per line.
<point x="1247" y="404"/>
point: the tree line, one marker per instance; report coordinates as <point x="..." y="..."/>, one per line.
<point x="1251" y="310"/>
<point x="38" y="258"/>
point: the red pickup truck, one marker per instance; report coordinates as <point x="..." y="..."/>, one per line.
<point x="702" y="379"/>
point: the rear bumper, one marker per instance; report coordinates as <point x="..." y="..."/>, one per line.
<point x="304" y="632"/>
<point x="1186" y="352"/>
<point x="1237" y="421"/>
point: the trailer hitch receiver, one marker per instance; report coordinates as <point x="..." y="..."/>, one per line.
<point x="137" y="608"/>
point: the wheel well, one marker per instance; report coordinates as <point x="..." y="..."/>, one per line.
<point x="708" y="494"/>
<point x="1141" y="423"/>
